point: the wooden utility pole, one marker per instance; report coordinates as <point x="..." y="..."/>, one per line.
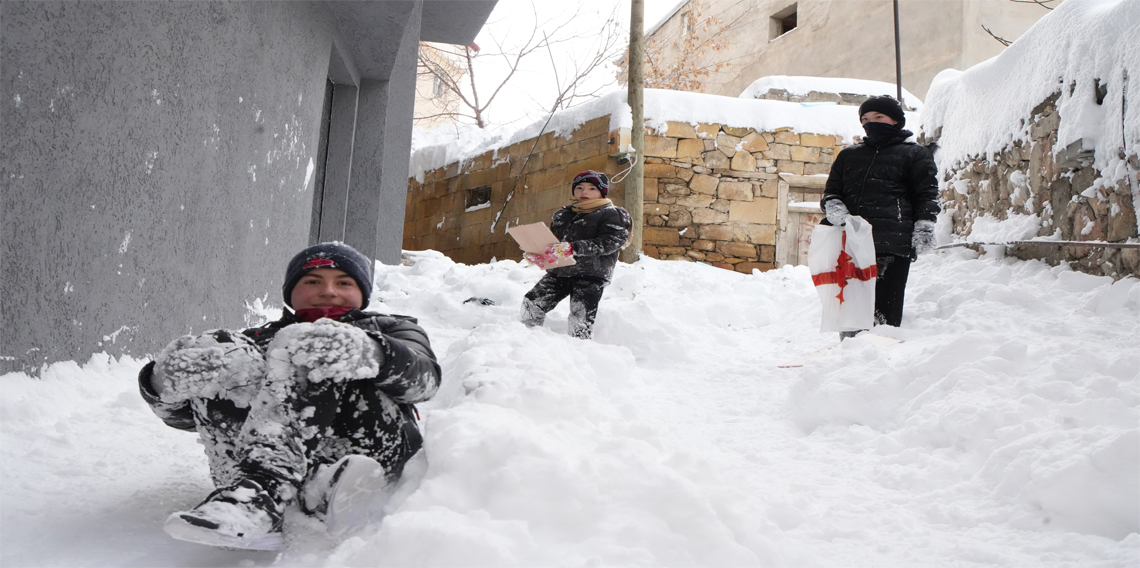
<point x="898" y="55"/>
<point x="634" y="182"/>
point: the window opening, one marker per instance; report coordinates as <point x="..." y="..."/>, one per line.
<point x="782" y="22"/>
<point x="478" y="198"/>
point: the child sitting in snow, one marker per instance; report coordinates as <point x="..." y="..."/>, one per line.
<point x="316" y="406"/>
<point x="593" y="231"/>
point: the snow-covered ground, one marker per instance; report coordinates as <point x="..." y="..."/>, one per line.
<point x="1002" y="432"/>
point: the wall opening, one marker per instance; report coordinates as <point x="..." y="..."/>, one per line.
<point x="478" y="197"/>
<point x="322" y="159"/>
<point x="782" y="22"/>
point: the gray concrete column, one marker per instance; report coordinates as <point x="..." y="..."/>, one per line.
<point x="375" y="215"/>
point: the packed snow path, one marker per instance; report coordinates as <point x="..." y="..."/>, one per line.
<point x="1003" y="431"/>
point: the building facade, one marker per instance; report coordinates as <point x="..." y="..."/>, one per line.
<point x="834" y="38"/>
<point x="162" y="161"/>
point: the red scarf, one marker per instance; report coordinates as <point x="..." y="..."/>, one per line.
<point x="311" y="315"/>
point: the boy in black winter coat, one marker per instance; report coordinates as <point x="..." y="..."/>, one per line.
<point x="893" y="184"/>
<point x="316" y="406"/>
<point x="592" y="230"/>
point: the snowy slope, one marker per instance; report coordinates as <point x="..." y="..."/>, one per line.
<point x="1002" y="432"/>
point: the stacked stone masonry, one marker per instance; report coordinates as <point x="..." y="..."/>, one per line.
<point x="1031" y="179"/>
<point x="711" y="191"/>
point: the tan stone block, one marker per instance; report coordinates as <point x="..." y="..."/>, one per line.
<point x="816" y="169"/>
<point x="805" y="154"/>
<point x="778" y="152"/>
<point x="679" y="217"/>
<point x="743" y="161"/>
<point x="788" y="137"/>
<point x="754" y="233"/>
<point x="655" y="221"/>
<point x="704" y="245"/>
<point x="737" y="131"/>
<point x="649" y="190"/>
<point x="737" y="190"/>
<point x="748" y="267"/>
<point x="685" y="173"/>
<point x="674" y="189"/>
<point x="790" y="167"/>
<point x="663" y="236"/>
<point x="661" y="147"/>
<point x="650" y="251"/>
<point x="723" y="265"/>
<point x="658" y="170"/>
<point x="680" y="130"/>
<point x="767" y="254"/>
<point x="741" y="250"/>
<point x="732" y="261"/>
<point x="819" y="141"/>
<point x="715" y="233"/>
<point x="656" y="209"/>
<point x="714" y="257"/>
<point x="594" y="128"/>
<point x="727" y="144"/>
<point x="754" y="142"/>
<point x="826" y="157"/>
<point x="704" y="184"/>
<point x="769" y="188"/>
<point x="762" y="210"/>
<point x="696" y="201"/>
<point x="721" y="205"/>
<point x="672" y="250"/>
<point x="707" y="130"/>
<point x="709" y="216"/>
<point x="768" y="137"/>
<point x="690" y="148"/>
<point x="716" y="159"/>
<point x="695" y="255"/>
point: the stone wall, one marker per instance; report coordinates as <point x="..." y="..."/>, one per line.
<point x="437" y="215"/>
<point x="713" y="193"/>
<point x="1029" y="178"/>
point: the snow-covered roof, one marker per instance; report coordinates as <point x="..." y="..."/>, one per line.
<point x="431" y="150"/>
<point x="1080" y="44"/>
<point x="803" y="85"/>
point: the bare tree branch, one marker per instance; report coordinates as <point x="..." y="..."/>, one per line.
<point x="1001" y="40"/>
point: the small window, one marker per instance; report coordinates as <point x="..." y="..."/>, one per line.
<point x="782" y="22"/>
<point x="478" y="198"/>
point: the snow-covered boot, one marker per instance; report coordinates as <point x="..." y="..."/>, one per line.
<point x="348" y="493"/>
<point x="241" y="516"/>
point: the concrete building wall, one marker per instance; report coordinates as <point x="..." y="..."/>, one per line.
<point x="159" y="159"/>
<point x="148" y="163"/>
<point x="845" y="38"/>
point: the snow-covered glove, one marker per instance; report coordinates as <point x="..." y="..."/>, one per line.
<point x="536" y="259"/>
<point x="923" y="238"/>
<point x="326" y="350"/>
<point x="216" y="364"/>
<point x="836" y="212"/>
<point x="551" y="255"/>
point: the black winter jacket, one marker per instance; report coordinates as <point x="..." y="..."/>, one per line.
<point x="410" y="373"/>
<point x="596" y="238"/>
<point x="891" y="186"/>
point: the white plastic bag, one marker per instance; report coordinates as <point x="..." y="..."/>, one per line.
<point x="842" y="263"/>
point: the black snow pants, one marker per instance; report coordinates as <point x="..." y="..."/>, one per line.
<point x="585" y="294"/>
<point x="890" y="289"/>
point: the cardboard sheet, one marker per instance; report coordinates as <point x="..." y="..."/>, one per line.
<point x="534" y="238"/>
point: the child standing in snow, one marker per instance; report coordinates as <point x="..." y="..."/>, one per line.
<point x="893" y="184"/>
<point x="316" y="406"/>
<point x="593" y="231"/>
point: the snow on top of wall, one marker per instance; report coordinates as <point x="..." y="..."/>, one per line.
<point x="803" y="85"/>
<point x="987" y="107"/>
<point x="436" y="149"/>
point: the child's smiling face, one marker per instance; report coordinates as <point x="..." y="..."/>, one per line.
<point x="586" y="190"/>
<point x="326" y="287"/>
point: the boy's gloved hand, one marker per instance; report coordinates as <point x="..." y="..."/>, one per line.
<point x="327" y="349"/>
<point x="836" y="212"/>
<point x="923" y="238"/>
<point x="535" y="259"/>
<point x="216" y="364"/>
